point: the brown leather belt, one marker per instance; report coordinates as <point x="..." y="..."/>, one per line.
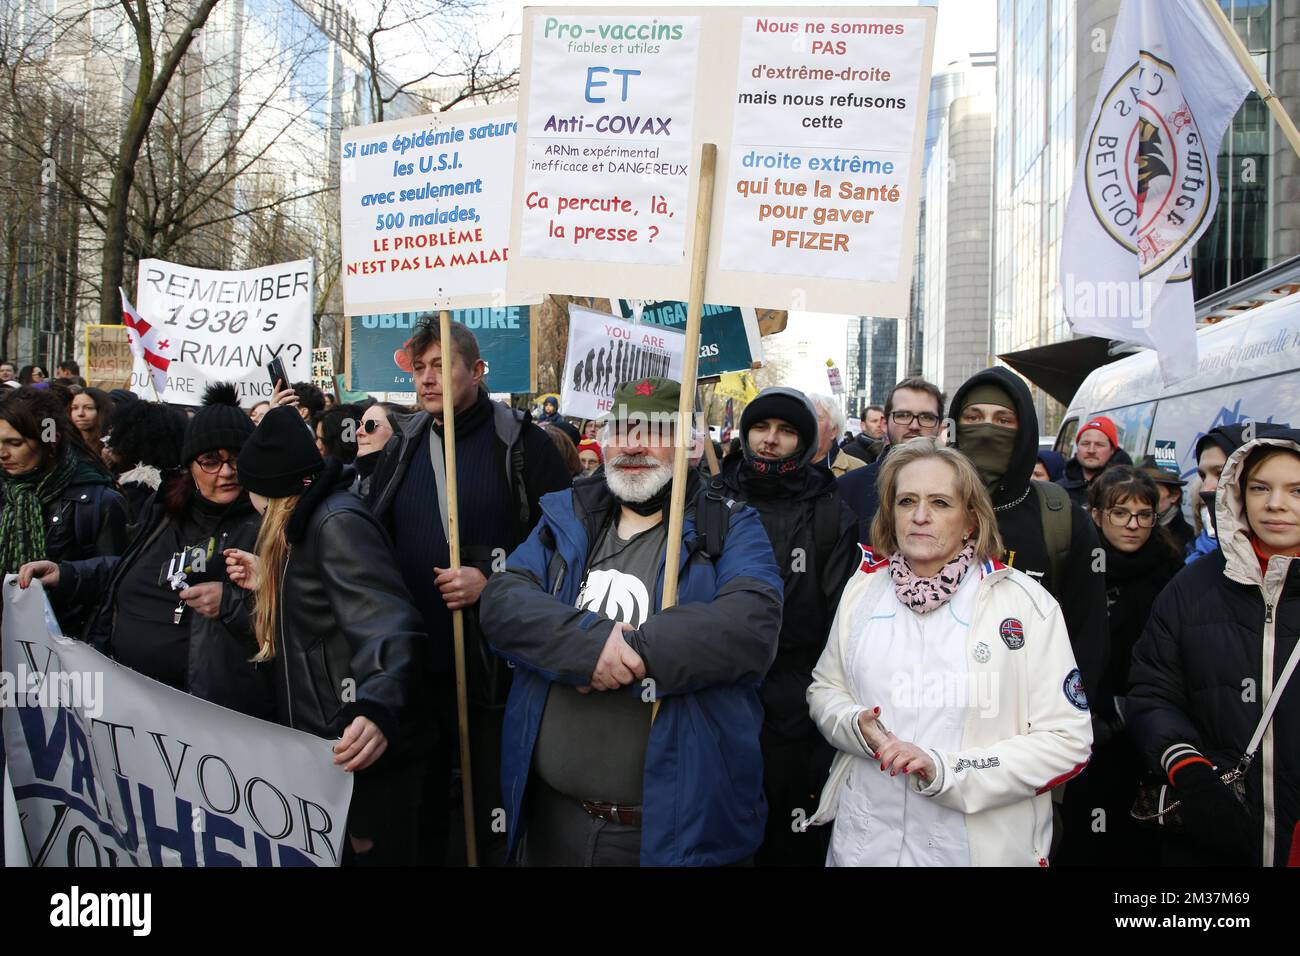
<point x="627" y="816"/>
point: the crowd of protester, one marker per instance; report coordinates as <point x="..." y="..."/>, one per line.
<point x="931" y="643"/>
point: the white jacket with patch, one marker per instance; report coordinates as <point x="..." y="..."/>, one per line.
<point x="1031" y="732"/>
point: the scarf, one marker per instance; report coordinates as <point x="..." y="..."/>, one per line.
<point x="22" y="523"/>
<point x="923" y="595"/>
<point x="773" y="477"/>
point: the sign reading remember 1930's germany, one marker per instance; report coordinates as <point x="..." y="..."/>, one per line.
<point x="818" y="114"/>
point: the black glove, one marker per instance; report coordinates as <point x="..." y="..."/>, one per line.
<point x="1215" y="818"/>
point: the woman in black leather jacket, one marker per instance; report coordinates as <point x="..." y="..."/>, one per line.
<point x="334" y="617"/>
<point x="56" y="500"/>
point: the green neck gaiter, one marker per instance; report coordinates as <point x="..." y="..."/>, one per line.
<point x="989" y="448"/>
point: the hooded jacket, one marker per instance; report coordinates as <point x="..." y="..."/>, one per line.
<point x="1219" y="629"/>
<point x="1032" y="736"/>
<point x="1076" y="483"/>
<point x="1082" y="593"/>
<point x="703" y="801"/>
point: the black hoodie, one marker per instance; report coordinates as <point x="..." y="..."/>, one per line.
<point x="1082" y="593"/>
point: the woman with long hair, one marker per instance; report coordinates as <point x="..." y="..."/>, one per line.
<point x="337" y="626"/>
<point x="89" y="412"/>
<point x="966" y="662"/>
<point x="166" y="607"/>
<point x="57" y="501"/>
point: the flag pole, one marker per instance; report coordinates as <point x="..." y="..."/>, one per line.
<point x="1257" y="80"/>
<point x="690" y="367"/>
<point x="457" y="616"/>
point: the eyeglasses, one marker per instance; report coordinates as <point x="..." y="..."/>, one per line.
<point x="1120" y="517"/>
<point x="902" y="417"/>
<point x="369" y="426"/>
<point x="211" y="464"/>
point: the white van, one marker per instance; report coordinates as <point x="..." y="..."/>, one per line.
<point x="1249" y="370"/>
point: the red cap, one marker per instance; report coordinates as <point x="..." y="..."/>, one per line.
<point x="1104" y="425"/>
<point x="590" y="444"/>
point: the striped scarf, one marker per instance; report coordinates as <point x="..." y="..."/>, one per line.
<point x="22" y="524"/>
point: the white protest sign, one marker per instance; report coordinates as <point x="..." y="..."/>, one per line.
<point x="322" y="369"/>
<point x="226" y="326"/>
<point x="818" y="115"/>
<point x="819" y="178"/>
<point x="605" y="352"/>
<point x="110" y="768"/>
<point x="425" y="205"/>
<point x="609" y="138"/>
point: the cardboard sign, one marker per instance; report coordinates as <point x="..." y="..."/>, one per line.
<point x="108" y="357"/>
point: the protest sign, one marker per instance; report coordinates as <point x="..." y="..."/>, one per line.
<point x="426" y="211"/>
<point x="226" y="326"/>
<point x="729" y="339"/>
<point x="604" y="352"/>
<point x="818" y="115"/>
<point x="110" y="768"/>
<point x="380" y="362"/>
<point x="108" y="357"/>
<point x="322" y="369"/>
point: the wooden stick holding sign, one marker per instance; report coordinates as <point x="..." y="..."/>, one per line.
<point x="457" y="616"/>
<point x="690" y="365"/>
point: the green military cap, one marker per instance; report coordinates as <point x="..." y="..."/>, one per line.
<point x="645" y="397"/>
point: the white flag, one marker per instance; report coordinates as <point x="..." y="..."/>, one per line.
<point x="1145" y="188"/>
<point x="147" y="344"/>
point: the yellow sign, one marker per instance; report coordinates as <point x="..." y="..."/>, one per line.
<point x="108" y="357"/>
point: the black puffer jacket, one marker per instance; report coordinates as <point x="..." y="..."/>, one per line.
<point x="1082" y="590"/>
<point x="350" y="641"/>
<point x="219" y="667"/>
<point x="1076" y="483"/>
<point x="1218" y="637"/>
<point x="814" y="573"/>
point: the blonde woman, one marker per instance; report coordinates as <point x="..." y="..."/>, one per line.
<point x="947" y="685"/>
<point x="335" y="619"/>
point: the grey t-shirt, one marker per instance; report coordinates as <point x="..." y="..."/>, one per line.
<point x="592" y="746"/>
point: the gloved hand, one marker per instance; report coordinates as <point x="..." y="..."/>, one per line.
<point x="1215" y="818"/>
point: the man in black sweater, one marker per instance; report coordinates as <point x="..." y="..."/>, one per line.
<point x="504" y="464"/>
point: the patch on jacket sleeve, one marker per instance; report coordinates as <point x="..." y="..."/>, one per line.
<point x="870" y="563"/>
<point x="1012" y="633"/>
<point x="1073" y="688"/>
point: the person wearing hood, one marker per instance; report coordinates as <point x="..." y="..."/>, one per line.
<point x="632" y="732"/>
<point x="338" y="629"/>
<point x="1216" y="662"/>
<point x="57" y="501"/>
<point x="166" y="607"/>
<point x="1096" y="448"/>
<point x="550" y="411"/>
<point x="143" y="444"/>
<point x="1046" y="538"/>
<point x="1170" y="507"/>
<point x="1212" y="451"/>
<point x="1140" y="559"/>
<point x="815" y="542"/>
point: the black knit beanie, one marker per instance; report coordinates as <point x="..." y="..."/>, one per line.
<point x="789" y="405"/>
<point x="220" y="423"/>
<point x="280" y="459"/>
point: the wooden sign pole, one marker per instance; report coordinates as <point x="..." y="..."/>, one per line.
<point x="690" y="366"/>
<point x="457" y="617"/>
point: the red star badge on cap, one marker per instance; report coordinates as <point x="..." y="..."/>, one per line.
<point x="645" y="388"/>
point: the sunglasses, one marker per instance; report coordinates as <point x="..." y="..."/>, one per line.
<point x="369" y="426"/>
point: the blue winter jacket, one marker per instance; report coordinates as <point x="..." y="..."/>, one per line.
<point x="703" y="799"/>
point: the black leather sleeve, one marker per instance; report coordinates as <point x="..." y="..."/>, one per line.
<point x="373" y="612"/>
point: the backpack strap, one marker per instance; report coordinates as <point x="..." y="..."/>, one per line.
<point x="1057" y="514"/>
<point x="713" y="510"/>
<point x="510" y="425"/>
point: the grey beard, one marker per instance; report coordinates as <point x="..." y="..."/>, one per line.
<point x="636" y="489"/>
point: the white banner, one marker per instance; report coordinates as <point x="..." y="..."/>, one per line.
<point x="425" y="204"/>
<point x="110" y="768"/>
<point x="1145" y="187"/>
<point x="605" y="352"/>
<point x="226" y="326"/>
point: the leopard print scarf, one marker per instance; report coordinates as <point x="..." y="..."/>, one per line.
<point x="923" y="595"/>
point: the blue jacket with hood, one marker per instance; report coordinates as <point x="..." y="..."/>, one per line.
<point x="703" y="799"/>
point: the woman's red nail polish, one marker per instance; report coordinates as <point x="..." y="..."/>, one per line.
<point x="877" y="710"/>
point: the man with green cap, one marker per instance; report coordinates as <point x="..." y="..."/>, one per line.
<point x="631" y="733"/>
<point x="1045" y="535"/>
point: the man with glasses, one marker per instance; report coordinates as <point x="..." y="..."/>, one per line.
<point x="1096" y="448"/>
<point x="632" y="733"/>
<point x="914" y="408"/>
